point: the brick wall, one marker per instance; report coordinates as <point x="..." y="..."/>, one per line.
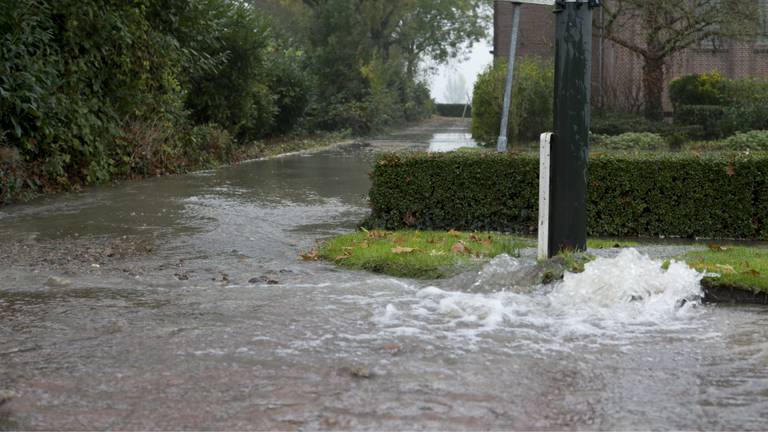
<point x="622" y="70"/>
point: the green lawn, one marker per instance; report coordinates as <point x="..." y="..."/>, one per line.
<point x="416" y="254"/>
<point x="738" y="266"/>
<point x="439" y="254"/>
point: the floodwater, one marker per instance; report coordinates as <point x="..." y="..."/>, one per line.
<point x="181" y="303"/>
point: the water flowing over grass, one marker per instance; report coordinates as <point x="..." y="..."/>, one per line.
<point x="418" y="254"/>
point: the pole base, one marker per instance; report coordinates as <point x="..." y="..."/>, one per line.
<point x="501" y="144"/>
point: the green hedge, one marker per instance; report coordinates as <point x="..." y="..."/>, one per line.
<point x="762" y="209"/>
<point x="453" y="110"/>
<point x="677" y="195"/>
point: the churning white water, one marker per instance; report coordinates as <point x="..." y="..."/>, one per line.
<point x="614" y="297"/>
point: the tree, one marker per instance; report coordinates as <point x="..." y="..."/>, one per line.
<point x="413" y="30"/>
<point x="666" y="27"/>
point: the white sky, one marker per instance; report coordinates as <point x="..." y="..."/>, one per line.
<point x="476" y="62"/>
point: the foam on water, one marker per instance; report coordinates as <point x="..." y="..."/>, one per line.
<point x="626" y="295"/>
<point x="630" y="288"/>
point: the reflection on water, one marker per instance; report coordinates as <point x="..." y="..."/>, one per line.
<point x="445" y="142"/>
<point x="222" y="326"/>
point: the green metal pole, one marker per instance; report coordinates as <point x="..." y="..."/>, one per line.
<point x="570" y="143"/>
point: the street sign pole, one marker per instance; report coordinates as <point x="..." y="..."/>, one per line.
<point x="501" y="143"/>
<point x="570" y="142"/>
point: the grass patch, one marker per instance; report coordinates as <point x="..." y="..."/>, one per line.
<point x="610" y="243"/>
<point x="738" y="267"/>
<point x="574" y="261"/>
<point x="416" y="254"/>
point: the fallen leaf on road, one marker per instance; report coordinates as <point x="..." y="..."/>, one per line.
<point x="309" y="256"/>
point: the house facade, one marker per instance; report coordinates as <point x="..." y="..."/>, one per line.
<point x="616" y="71"/>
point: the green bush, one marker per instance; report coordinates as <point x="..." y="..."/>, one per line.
<point x="707" y="117"/>
<point x="744" y="118"/>
<point x="235" y="95"/>
<point x="615" y="123"/>
<point x="417" y="101"/>
<point x="699" y="89"/>
<point x="720" y="106"/>
<point x="631" y="141"/>
<point x="752" y="140"/>
<point x="749" y="90"/>
<point x="762" y="207"/>
<point x="678" y="195"/>
<point x="531" y="108"/>
<point x="453" y="110"/>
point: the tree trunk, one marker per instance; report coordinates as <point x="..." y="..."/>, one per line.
<point x="653" y="88"/>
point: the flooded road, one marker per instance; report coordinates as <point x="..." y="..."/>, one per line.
<point x="181" y="303"/>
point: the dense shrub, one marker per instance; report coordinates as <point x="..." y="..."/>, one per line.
<point x="762" y="207"/>
<point x="72" y="70"/>
<point x="699" y="89"/>
<point x="531" y="108"/>
<point x="743" y="118"/>
<point x="95" y="89"/>
<point x="453" y="110"/>
<point x="615" y="123"/>
<point x="720" y="106"/>
<point x="237" y="94"/>
<point x="748" y="90"/>
<point x="417" y="101"/>
<point x="752" y="140"/>
<point x="681" y="195"/>
<point x="631" y="141"/>
<point x="707" y="117"/>
<point x="366" y="85"/>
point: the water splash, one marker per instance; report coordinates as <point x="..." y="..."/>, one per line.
<point x="623" y="295"/>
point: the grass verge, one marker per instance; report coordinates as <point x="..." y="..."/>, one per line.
<point x="739" y="267"/>
<point x="416" y="254"/>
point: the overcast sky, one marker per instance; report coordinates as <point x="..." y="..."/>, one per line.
<point x="479" y="58"/>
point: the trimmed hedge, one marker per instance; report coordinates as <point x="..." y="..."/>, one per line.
<point x="762" y="210"/>
<point x="676" y="195"/>
<point x="453" y="110"/>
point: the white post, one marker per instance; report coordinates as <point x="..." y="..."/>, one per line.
<point x="544" y="171"/>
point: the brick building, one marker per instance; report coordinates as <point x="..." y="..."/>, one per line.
<point x="616" y="71"/>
